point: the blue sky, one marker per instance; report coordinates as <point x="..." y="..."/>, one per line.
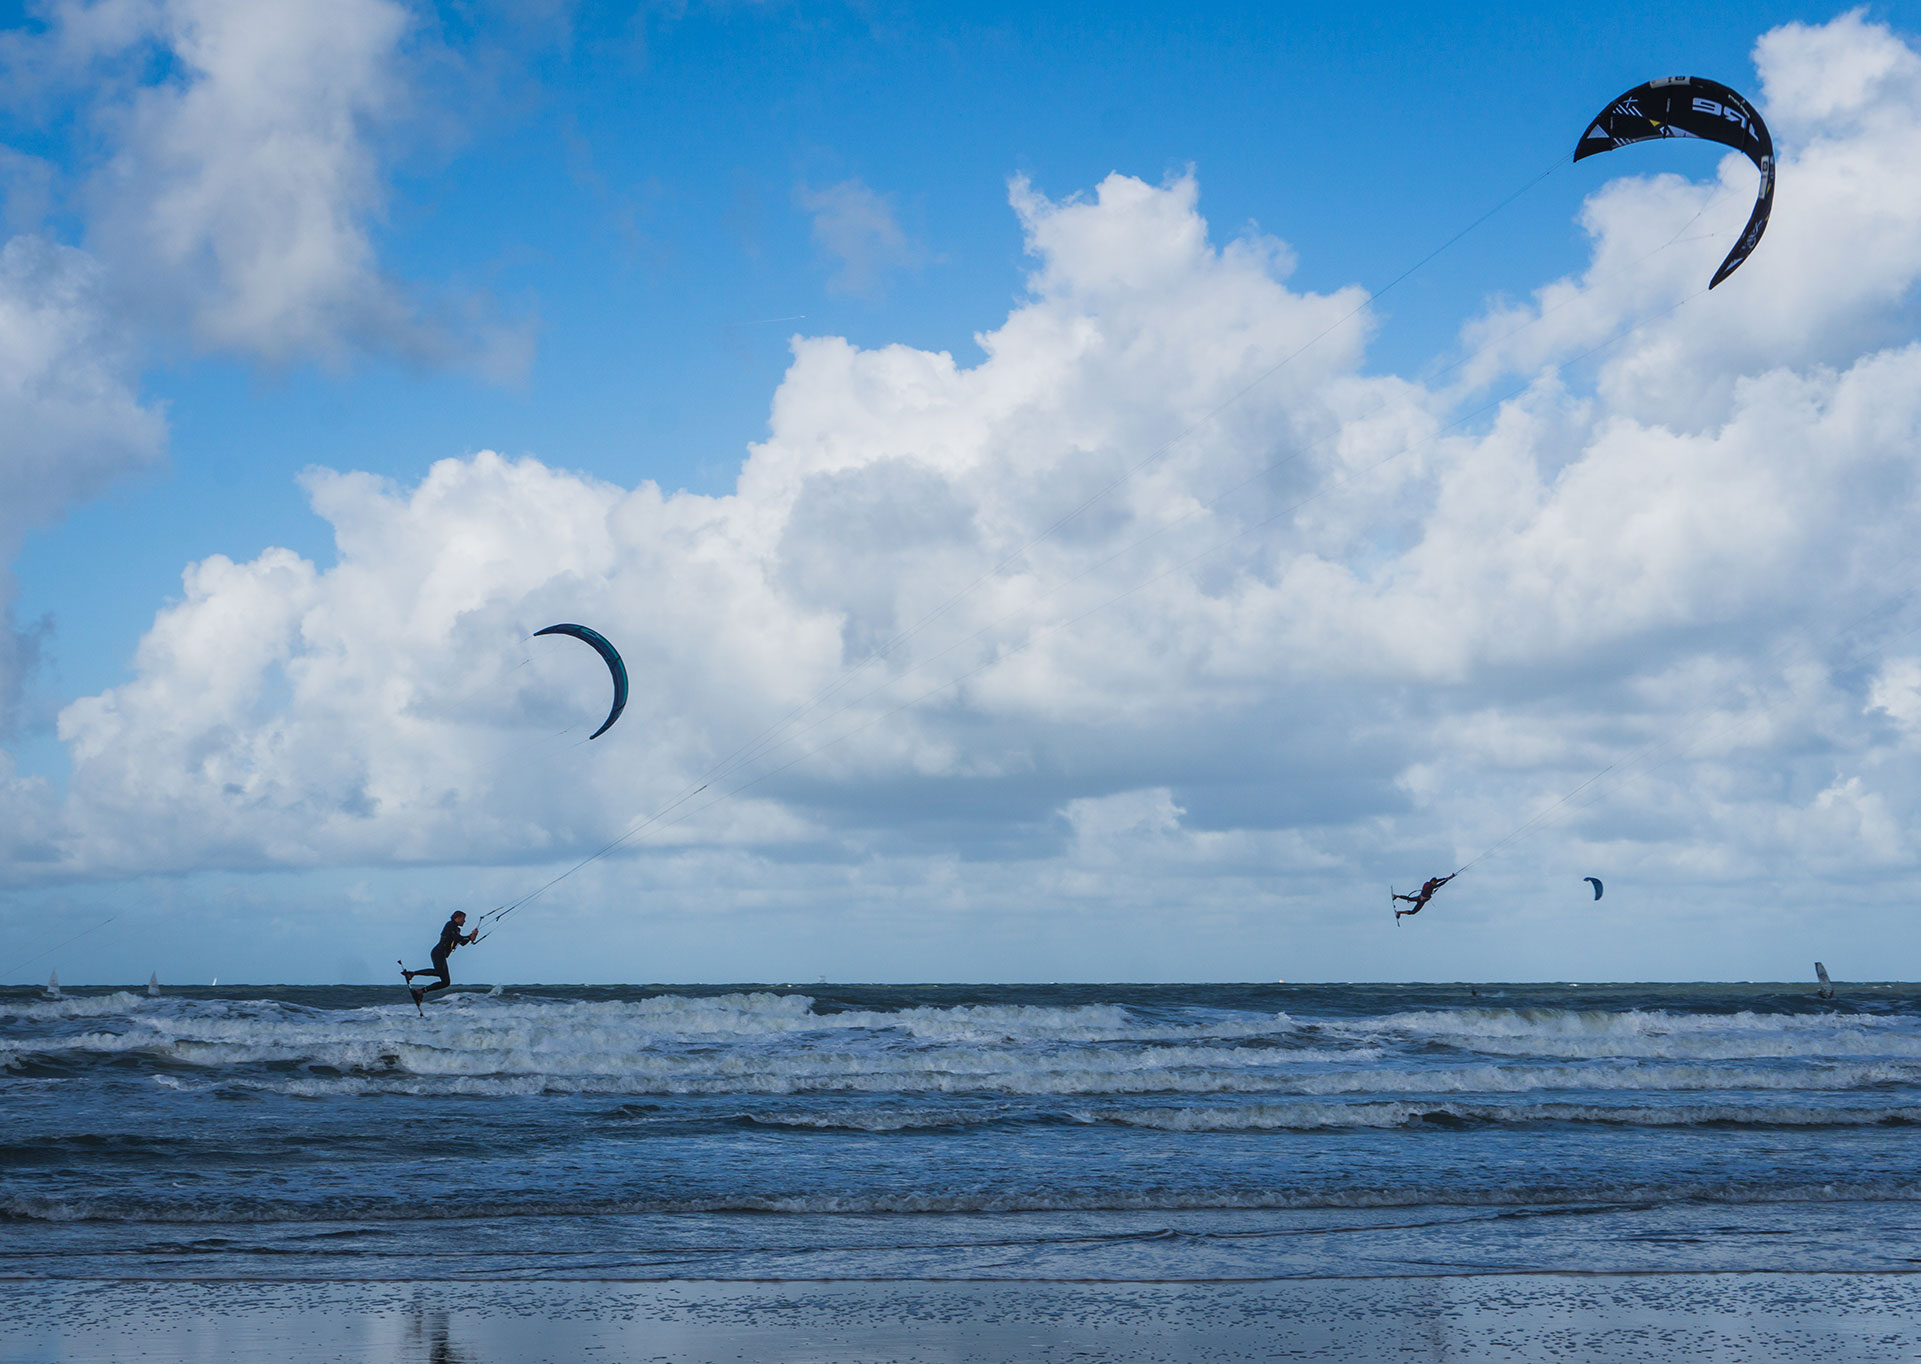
<point x="588" y="237"/>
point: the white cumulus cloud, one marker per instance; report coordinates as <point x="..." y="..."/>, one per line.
<point x="235" y="196"/>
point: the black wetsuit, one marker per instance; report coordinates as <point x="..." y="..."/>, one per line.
<point x="1420" y="898"/>
<point x="450" y="938"/>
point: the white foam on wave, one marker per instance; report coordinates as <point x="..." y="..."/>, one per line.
<point x="67" y="1006"/>
<point x="1643" y="1034"/>
<point x="970" y="1072"/>
<point x="762" y="1043"/>
<point x="1817" y="1075"/>
<point x="737" y="1015"/>
<point x="728" y="1038"/>
<point x="1310" y="1116"/>
<point x="948" y="1070"/>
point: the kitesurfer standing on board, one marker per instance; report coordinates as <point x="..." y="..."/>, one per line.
<point x="1420" y="897"/>
<point x="450" y="938"/>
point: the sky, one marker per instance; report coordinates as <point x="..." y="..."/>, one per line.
<point x="1081" y="495"/>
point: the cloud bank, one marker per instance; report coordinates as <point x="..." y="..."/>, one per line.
<point x="1163" y="600"/>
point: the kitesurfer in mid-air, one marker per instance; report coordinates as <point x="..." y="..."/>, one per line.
<point x="450" y="938"/>
<point x="1418" y="899"/>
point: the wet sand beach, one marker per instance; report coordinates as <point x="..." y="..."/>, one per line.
<point x="1566" y="1319"/>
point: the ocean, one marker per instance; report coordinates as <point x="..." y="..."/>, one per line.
<point x="950" y="1133"/>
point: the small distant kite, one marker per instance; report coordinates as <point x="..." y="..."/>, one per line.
<point x="614" y="666"/>
<point x="1692" y="106"/>
<point x="1594" y="881"/>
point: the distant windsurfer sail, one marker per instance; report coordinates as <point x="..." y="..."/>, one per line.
<point x="1420" y="897"/>
<point x="1827" y="986"/>
<point x="153" y="983"/>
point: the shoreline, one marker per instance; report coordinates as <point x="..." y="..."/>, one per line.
<point x="1617" y="1317"/>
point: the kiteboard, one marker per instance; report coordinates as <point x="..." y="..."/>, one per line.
<point x="413" y="993"/>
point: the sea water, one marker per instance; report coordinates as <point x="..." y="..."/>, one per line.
<point x="1030" y="1133"/>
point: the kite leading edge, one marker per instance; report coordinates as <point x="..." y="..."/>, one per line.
<point x="1692" y="106"/>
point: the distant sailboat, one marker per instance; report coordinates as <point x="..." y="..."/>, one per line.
<point x="153" y="984"/>
<point x="53" y="986"/>
<point x="1827" y="986"/>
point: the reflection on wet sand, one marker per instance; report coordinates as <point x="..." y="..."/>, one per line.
<point x="430" y="1338"/>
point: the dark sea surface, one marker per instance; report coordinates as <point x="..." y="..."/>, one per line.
<point x="1026" y="1133"/>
